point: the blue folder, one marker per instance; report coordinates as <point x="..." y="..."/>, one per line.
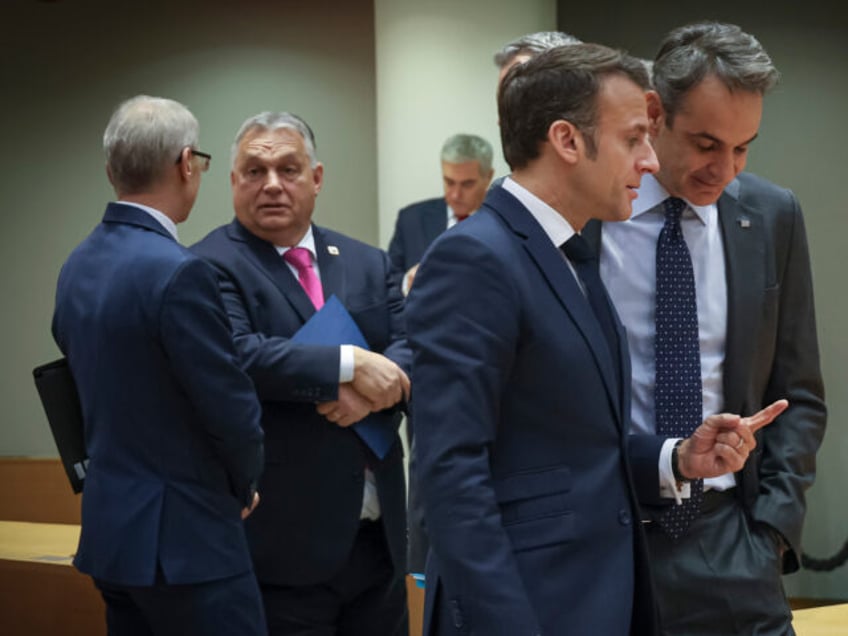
<point x="333" y="325"/>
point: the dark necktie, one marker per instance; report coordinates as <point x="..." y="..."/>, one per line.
<point x="678" y="399"/>
<point x="585" y="262"/>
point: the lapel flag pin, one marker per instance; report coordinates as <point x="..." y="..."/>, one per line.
<point x="332" y="249"/>
<point x="744" y="222"/>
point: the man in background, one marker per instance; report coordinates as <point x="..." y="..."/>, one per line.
<point x="171" y="422"/>
<point x="522" y="49"/>
<point x="466" y="175"/>
<point x="329" y="548"/>
<point x="711" y="278"/>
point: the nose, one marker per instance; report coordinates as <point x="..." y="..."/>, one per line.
<point x="272" y="181"/>
<point x="727" y="166"/>
<point x="648" y="164"/>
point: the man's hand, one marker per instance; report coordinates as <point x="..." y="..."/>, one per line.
<point x="408" y="278"/>
<point x="723" y="442"/>
<point x="378" y="379"/>
<point x="245" y="512"/>
<point x="347" y="409"/>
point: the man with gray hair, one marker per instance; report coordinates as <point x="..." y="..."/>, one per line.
<point x="171" y="422"/>
<point x="527" y="46"/>
<point x="466" y="174"/>
<point x="329" y="546"/>
<point x="711" y="278"/>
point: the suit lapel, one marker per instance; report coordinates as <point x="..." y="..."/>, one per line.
<point x="434" y="222"/>
<point x="557" y="273"/>
<point x="265" y="257"/>
<point x="743" y="235"/>
<point x="330" y="263"/>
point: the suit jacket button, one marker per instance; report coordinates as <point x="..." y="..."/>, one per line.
<point x="456" y="615"/>
<point x="624" y="517"/>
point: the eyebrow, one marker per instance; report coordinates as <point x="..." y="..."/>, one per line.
<point x="713" y="138"/>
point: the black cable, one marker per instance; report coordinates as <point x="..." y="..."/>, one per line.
<point x="825" y="565"/>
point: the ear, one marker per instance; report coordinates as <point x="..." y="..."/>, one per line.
<point x="565" y="140"/>
<point x="488" y="176"/>
<point x="186" y="165"/>
<point x="656" y="112"/>
<point x="318" y="176"/>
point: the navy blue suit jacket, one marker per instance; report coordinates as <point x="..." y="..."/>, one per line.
<point x="313" y="482"/>
<point x="522" y="441"/>
<point x="417" y="226"/>
<point x="171" y="422"/>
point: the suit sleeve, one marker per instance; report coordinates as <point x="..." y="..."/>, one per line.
<point x="398" y="348"/>
<point x="789" y="445"/>
<point x="281" y="370"/>
<point x="396" y="247"/>
<point x="463" y="339"/>
<point x="196" y="337"/>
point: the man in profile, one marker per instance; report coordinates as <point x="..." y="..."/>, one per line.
<point x="466" y="175"/>
<point x="522" y="377"/>
<point x="171" y="422"/>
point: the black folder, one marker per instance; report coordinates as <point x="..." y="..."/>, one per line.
<point x="60" y="400"/>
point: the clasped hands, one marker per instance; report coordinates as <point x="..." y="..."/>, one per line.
<point x="722" y="443"/>
<point x="378" y="383"/>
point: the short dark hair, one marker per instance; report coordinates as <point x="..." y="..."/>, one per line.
<point x="561" y="83"/>
<point x="690" y="53"/>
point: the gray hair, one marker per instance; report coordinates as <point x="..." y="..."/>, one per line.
<point x="691" y="53"/>
<point x="532" y="44"/>
<point x="462" y="148"/>
<point x="275" y="121"/>
<point x="145" y="136"/>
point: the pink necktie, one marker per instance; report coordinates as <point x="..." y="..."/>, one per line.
<point x="301" y="259"/>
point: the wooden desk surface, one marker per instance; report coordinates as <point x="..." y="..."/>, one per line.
<point x="38" y="542"/>
<point x="829" y="620"/>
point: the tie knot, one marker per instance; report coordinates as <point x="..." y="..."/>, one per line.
<point x="299" y="257"/>
<point x="577" y="249"/>
<point x="673" y="209"/>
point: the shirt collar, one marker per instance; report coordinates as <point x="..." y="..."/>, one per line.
<point x="552" y="222"/>
<point x="164" y="220"/>
<point x="308" y="241"/>
<point x="651" y="194"/>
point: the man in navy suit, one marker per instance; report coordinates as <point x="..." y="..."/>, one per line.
<point x="755" y="332"/>
<point x="466" y="175"/>
<point x="171" y="422"/>
<point x="522" y="380"/>
<point x="329" y="541"/>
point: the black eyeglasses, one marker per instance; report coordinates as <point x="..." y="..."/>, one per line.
<point x="196" y="153"/>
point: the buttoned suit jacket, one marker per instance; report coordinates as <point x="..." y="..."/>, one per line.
<point x="771" y="350"/>
<point x="522" y="442"/>
<point x="313" y="482"/>
<point x="171" y="422"/>
<point x="416" y="227"/>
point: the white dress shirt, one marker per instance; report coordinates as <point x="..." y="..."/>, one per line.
<point x="628" y="269"/>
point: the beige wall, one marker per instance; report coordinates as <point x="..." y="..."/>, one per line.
<point x="64" y="66"/>
<point x="435" y="78"/>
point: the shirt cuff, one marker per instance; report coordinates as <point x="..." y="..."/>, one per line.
<point x="668" y="484"/>
<point x="346" y="363"/>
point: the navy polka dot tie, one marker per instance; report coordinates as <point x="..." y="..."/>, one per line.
<point x="678" y="397"/>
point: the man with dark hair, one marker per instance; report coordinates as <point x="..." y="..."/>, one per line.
<point x="716" y="260"/>
<point x="522" y="378"/>
<point x="171" y="422"/>
<point x="329" y="548"/>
